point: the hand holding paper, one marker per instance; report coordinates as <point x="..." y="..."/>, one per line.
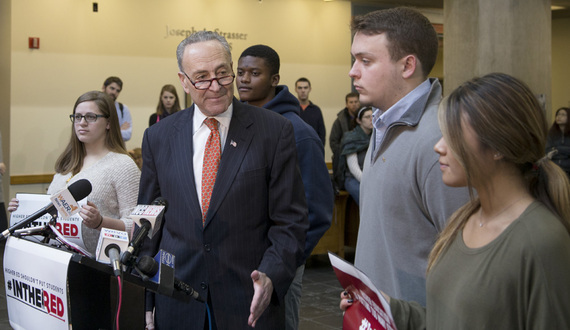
<point x="369" y="309"/>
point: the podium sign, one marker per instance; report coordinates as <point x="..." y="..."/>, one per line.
<point x="36" y="291"/>
<point x="69" y="227"/>
<point x="49" y="288"/>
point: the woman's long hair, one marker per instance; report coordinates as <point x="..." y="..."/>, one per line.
<point x="71" y="159"/>
<point x="508" y="119"/>
<point x="160" y="110"/>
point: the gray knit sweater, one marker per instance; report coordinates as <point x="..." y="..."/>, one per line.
<point x="115" y="181"/>
<point x="403" y="202"/>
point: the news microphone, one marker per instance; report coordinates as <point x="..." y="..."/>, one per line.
<point x="112" y="251"/>
<point x="160" y="269"/>
<point x="146" y="217"/>
<point x="127" y="257"/>
<point x="153" y="213"/>
<point x="111" y="243"/>
<point x="77" y="191"/>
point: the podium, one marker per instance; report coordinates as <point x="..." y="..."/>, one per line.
<point x="58" y="289"/>
<point x="93" y="296"/>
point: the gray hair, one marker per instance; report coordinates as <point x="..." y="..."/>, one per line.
<point x="201" y="36"/>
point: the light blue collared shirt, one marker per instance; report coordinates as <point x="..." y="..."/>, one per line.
<point x="383" y="120"/>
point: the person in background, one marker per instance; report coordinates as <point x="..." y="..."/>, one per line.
<point x="558" y="142"/>
<point x="403" y="203"/>
<point x="344" y="122"/>
<point x="168" y="103"/>
<point x="508" y="248"/>
<point x="96" y="152"/>
<point x="258" y="84"/>
<point x="354" y="147"/>
<point x="3" y="218"/>
<point x="113" y="86"/>
<point x="310" y="112"/>
<point x="237" y="215"/>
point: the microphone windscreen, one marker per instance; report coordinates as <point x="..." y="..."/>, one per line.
<point x="148" y="266"/>
<point x="112" y="246"/>
<point x="80" y="189"/>
<point x="144" y="223"/>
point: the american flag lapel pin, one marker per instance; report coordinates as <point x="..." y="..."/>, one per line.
<point x="233" y="143"/>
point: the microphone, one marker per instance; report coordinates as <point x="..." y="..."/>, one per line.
<point x="112" y="251"/>
<point x="152" y="219"/>
<point x="153" y="213"/>
<point x="111" y="243"/>
<point x="65" y="201"/>
<point x="135" y="243"/>
<point x="160" y="269"/>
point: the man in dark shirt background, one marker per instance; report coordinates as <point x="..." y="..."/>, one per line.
<point x="310" y="112"/>
<point x="344" y="122"/>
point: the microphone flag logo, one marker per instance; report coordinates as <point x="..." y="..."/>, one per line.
<point x="65" y="204"/>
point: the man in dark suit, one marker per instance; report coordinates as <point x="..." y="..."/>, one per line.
<point x="240" y="247"/>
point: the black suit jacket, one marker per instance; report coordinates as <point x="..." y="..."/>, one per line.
<point x="257" y="217"/>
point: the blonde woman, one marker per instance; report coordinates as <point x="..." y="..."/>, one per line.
<point x="503" y="260"/>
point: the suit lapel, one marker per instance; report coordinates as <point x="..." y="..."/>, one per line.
<point x="236" y="147"/>
<point x="182" y="149"/>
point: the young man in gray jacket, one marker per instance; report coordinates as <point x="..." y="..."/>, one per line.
<point x="404" y="203"/>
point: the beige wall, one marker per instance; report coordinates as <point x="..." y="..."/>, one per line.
<point x="128" y="38"/>
<point x="5" y="22"/>
<point x="560" y="64"/>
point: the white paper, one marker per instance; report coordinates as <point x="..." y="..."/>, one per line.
<point x="69" y="228"/>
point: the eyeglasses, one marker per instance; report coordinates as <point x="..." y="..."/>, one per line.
<point x="89" y="117"/>
<point x="205" y="84"/>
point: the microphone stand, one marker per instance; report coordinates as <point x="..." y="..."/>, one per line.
<point x="44" y="231"/>
<point x="48" y="233"/>
<point x="143" y="276"/>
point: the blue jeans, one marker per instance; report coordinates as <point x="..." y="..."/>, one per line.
<point x="353" y="187"/>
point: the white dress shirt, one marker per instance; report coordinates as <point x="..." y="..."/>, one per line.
<point x="200" y="133"/>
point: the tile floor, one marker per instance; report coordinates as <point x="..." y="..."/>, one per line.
<point x="321" y="291"/>
<point x="319" y="303"/>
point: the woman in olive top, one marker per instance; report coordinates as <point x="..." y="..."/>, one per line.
<point x="503" y="260"/>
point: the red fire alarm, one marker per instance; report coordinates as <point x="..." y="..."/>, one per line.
<point x="34" y="43"/>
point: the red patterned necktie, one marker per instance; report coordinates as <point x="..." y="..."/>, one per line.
<point x="212" y="154"/>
